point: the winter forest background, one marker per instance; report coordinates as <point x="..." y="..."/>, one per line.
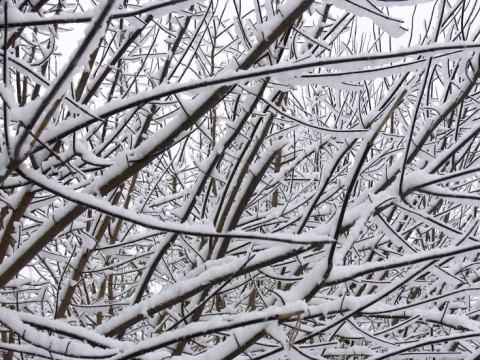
<point x="258" y="179"/>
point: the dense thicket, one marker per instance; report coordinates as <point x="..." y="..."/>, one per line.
<point x="240" y="179"/>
